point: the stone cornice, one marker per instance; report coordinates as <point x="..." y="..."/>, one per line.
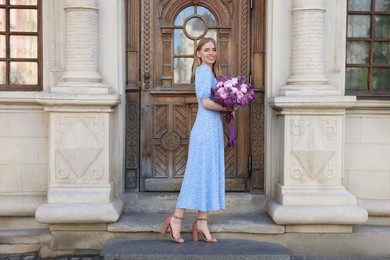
<point x="66" y="102"/>
<point x="312" y="102"/>
<point x="371" y="104"/>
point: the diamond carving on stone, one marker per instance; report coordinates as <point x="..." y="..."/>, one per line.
<point x="313" y="151"/>
<point x="79" y="148"/>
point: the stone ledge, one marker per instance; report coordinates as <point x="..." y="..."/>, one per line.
<point x="152" y="222"/>
<point x="317" y="215"/>
<point x="85" y="213"/>
<point x="237" y="203"/>
<point x="25" y="236"/>
<point x="6" y="250"/>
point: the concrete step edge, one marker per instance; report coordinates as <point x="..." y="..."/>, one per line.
<point x="152" y="222"/>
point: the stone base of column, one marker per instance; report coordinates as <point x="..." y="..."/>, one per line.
<point x="309" y="90"/>
<point x="317" y="218"/>
<point x="81" y="88"/>
<point x="82" y="76"/>
<point x="307" y="79"/>
<point x="77" y="213"/>
<point x="70" y="195"/>
<point x="335" y="196"/>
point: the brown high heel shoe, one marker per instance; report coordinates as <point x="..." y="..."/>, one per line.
<point x="195" y="232"/>
<point x="167" y="225"/>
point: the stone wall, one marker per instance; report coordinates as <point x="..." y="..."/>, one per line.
<point x="367" y="155"/>
<point x="23" y="160"/>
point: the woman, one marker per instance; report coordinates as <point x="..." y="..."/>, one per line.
<point x="203" y="187"/>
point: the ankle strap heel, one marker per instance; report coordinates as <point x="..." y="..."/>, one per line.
<point x="167" y="225"/>
<point x="196" y="231"/>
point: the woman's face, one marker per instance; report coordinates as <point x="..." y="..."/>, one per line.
<point x="208" y="54"/>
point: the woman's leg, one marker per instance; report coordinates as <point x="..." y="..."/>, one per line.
<point x="176" y="222"/>
<point x="201" y="222"/>
<point x="173" y="223"/>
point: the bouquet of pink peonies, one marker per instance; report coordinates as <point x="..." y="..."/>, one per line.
<point x="230" y="92"/>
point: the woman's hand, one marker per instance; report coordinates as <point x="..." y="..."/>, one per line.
<point x="234" y="110"/>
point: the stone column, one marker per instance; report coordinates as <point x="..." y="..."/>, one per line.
<point x="81" y="186"/>
<point x="81" y="48"/>
<point x="308" y="43"/>
<point x="309" y="195"/>
<point x="308" y="50"/>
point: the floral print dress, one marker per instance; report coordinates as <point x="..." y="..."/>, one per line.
<point x="203" y="186"/>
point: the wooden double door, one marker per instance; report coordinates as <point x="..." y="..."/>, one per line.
<point x="160" y="97"/>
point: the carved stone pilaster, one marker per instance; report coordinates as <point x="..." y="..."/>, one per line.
<point x="81" y="186"/>
<point x="309" y="195"/>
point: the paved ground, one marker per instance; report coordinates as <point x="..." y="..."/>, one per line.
<point x="34" y="256"/>
<point x="226" y="249"/>
<point x="367" y="242"/>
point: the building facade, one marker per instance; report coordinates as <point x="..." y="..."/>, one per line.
<point x="95" y="120"/>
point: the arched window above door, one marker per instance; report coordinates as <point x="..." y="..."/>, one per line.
<point x="182" y="26"/>
<point x="191" y="24"/>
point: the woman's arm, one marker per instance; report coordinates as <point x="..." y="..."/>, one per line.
<point x="211" y="105"/>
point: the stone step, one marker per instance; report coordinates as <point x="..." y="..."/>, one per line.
<point x="225" y="249"/>
<point x="25" y="236"/>
<point x="20" y="222"/>
<point x="23" y="240"/>
<point x="152" y="222"/>
<point x="236" y="203"/>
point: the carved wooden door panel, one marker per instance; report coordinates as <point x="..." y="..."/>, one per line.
<point x="161" y="102"/>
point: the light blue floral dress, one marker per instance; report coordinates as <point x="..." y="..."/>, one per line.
<point x="203" y="185"/>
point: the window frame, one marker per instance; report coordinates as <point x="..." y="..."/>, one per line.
<point x="194" y="39"/>
<point x="167" y="19"/>
<point x="369" y="93"/>
<point x="39" y="60"/>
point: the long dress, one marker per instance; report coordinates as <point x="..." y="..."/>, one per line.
<point x="203" y="186"/>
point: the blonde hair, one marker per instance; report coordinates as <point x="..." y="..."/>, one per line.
<point x="198" y="61"/>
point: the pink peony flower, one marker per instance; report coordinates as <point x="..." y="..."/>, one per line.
<point x="244" y="88"/>
<point x="239" y="96"/>
<point x="228" y="84"/>
<point x="221" y="90"/>
<point x="234" y="81"/>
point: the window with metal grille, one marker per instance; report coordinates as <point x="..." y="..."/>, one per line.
<point x="368" y="48"/>
<point x="20" y="45"/>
